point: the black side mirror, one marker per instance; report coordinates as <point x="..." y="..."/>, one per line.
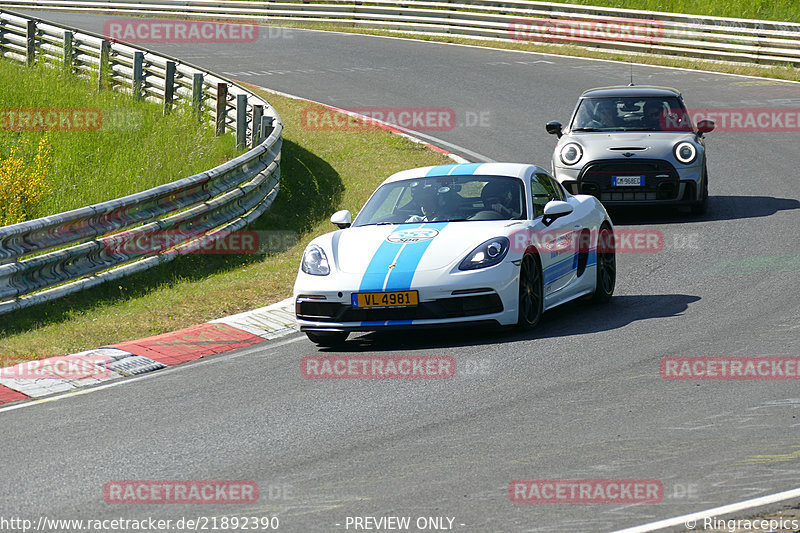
<point x="554" y="128"/>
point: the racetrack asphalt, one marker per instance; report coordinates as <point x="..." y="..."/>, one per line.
<point x="580" y="397"/>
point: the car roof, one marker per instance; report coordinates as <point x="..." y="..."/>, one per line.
<point x="630" y="90"/>
<point x="513" y="170"/>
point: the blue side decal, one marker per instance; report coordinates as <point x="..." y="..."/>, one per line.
<point x="557" y="270"/>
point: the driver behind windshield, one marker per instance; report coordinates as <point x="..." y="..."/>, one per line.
<point x="605" y="115"/>
<point x="651" y="116"/>
<point x="428" y="201"/>
<point x="498" y="196"/>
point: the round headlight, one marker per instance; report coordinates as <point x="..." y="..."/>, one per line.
<point x="571" y="153"/>
<point x="685" y="152"/>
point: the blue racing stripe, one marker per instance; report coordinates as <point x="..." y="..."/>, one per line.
<point x="441" y="170"/>
<point x="378" y="266"/>
<point x="467" y="169"/>
<point x="463" y="169"/>
<point x="376" y="271"/>
<point x="406" y="265"/>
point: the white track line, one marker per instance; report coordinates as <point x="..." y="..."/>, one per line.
<point x="689" y="521"/>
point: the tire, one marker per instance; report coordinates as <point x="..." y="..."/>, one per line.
<point x="327" y="338"/>
<point x="606" y="266"/>
<point x="531" y="293"/>
<point x="701" y="207"/>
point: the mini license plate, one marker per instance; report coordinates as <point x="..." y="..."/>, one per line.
<point x="385" y="299"/>
<point x="627" y="181"/>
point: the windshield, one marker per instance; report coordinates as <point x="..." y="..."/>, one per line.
<point x="631" y="114"/>
<point x="445" y="199"/>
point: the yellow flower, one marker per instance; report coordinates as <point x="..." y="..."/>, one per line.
<point x="23" y="181"/>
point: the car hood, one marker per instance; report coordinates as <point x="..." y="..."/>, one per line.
<point x="411" y="247"/>
<point x="640" y="143"/>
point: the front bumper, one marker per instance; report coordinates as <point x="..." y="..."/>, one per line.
<point x="664" y="184"/>
<point x="456" y="298"/>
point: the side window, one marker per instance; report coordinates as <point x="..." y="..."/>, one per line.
<point x="552" y="187"/>
<point x="541" y="193"/>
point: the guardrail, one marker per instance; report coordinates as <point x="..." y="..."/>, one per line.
<point x="623" y="30"/>
<point x="53" y="256"/>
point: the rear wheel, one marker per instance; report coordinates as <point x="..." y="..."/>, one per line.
<point x="327" y="338"/>
<point x="606" y="266"/>
<point x="531" y="292"/>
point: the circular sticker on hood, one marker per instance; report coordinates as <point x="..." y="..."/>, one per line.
<point x="406" y="236"/>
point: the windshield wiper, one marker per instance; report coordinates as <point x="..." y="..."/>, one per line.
<point x="588" y="129"/>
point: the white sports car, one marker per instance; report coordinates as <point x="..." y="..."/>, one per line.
<point x="496" y="243"/>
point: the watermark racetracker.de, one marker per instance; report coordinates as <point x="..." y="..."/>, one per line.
<point x="143" y="31"/>
<point x="406" y="118"/>
<point x="182" y="242"/>
<point x="730" y="368"/>
<point x="736" y="119"/>
<point x="377" y="367"/>
<point x="59" y="367"/>
<point x="594" y="30"/>
<point x="586" y="491"/>
<point x="50" y="119"/>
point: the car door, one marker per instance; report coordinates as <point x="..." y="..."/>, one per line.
<point x="556" y="243"/>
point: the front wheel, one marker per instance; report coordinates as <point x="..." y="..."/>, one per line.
<point x="702" y="206"/>
<point x="606" y="266"/>
<point x="327" y="338"/>
<point x="531" y="292"/>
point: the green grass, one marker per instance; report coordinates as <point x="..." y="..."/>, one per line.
<point x="135" y="149"/>
<point x="321" y="172"/>
<point x="781" y="10"/>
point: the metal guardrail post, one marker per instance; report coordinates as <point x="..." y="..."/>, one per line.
<point x="138" y="75"/>
<point x="241" y="121"/>
<point x="255" y="137"/>
<point x="69" y="53"/>
<point x="222" y="102"/>
<point x="102" y="70"/>
<point x="267" y="126"/>
<point x="197" y="95"/>
<point x="30" y="42"/>
<point x="169" y="87"/>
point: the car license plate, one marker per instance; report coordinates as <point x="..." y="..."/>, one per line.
<point x="385" y="299"/>
<point x="627" y="181"/>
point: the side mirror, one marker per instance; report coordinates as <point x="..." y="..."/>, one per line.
<point x="555" y="209"/>
<point x="341" y="219"/>
<point x="705" y="125"/>
<point x="554" y="128"/>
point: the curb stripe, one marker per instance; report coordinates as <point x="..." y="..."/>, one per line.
<point x="10" y="395"/>
<point x="190" y="343"/>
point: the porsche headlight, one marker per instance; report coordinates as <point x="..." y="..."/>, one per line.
<point x="487" y="254"/>
<point x="685" y="152"/>
<point x="315" y="262"/>
<point x="571" y="153"/>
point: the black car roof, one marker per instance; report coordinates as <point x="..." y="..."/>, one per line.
<point x="630" y="90"/>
